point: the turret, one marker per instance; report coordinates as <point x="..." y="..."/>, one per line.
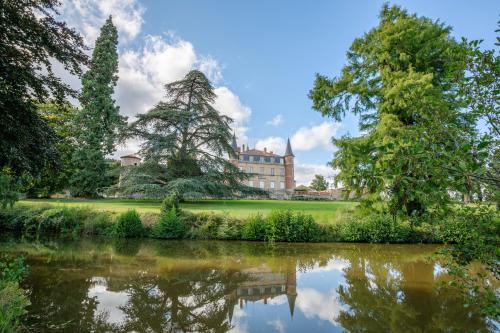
<point x="289" y="168"/>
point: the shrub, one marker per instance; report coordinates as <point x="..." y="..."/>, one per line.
<point x="13" y="300"/>
<point x="129" y="224"/>
<point x="254" y="228"/>
<point x="171" y="201"/>
<point x="288" y="226"/>
<point x="170" y="225"/>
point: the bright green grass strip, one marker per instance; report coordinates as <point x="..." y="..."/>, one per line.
<point x="322" y="211"/>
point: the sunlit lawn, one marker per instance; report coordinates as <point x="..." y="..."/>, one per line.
<point x="322" y="211"/>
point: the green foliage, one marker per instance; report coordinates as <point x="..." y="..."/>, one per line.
<point x="374" y="228"/>
<point x="8" y="189"/>
<point x="33" y="39"/>
<point x="410" y="109"/>
<point x="186" y="144"/>
<point x="254" y="228"/>
<point x="319" y="183"/>
<point x="170" y="202"/>
<point x="170" y="225"/>
<point x="13" y="300"/>
<point x="290" y="226"/>
<point x="99" y="122"/>
<point x="128" y="225"/>
<point x="54" y="179"/>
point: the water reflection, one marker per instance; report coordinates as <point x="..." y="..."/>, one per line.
<point x="155" y="286"/>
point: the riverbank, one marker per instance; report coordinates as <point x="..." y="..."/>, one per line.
<point x="277" y="226"/>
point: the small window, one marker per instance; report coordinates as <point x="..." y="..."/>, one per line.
<point x="277" y="160"/>
<point x="282" y="185"/>
<point x="241" y="169"/>
<point x="261" y="170"/>
<point x="256" y="158"/>
<point x="261" y="184"/>
<point x="282" y="171"/>
<point x="272" y="185"/>
<point x="246" y="158"/>
<point x="272" y="171"/>
<point x="250" y="169"/>
<point x="250" y="183"/>
<point x="267" y="159"/>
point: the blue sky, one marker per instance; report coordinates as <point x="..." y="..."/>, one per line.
<point x="262" y="56"/>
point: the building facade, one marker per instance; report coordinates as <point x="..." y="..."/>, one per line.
<point x="269" y="171"/>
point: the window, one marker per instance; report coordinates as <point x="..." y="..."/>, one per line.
<point x="241" y="169"/>
<point x="272" y="185"/>
<point x="272" y="171"/>
<point x="261" y="184"/>
<point x="246" y="158"/>
<point x="256" y="158"/>
<point x="250" y="169"/>
<point x="282" y="185"/>
<point x="277" y="160"/>
<point x="282" y="171"/>
<point x="267" y="159"/>
<point x="261" y="170"/>
<point x="250" y="183"/>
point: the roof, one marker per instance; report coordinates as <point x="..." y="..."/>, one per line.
<point x="257" y="152"/>
<point x="130" y="156"/>
<point x="288" y="151"/>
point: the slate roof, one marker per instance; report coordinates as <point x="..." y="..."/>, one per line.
<point x="256" y="152"/>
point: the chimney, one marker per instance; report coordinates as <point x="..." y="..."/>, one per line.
<point x="243" y="147"/>
<point x="265" y="150"/>
<point x="271" y="152"/>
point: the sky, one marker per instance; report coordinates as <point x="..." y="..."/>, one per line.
<point x="261" y="56"/>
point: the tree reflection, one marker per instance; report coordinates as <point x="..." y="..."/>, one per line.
<point x="399" y="296"/>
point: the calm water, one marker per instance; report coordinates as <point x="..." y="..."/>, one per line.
<point x="169" y="286"/>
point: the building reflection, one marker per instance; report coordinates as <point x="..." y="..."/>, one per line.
<point x="263" y="284"/>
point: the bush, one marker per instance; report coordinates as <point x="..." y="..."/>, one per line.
<point x="374" y="227"/>
<point x="170" y="226"/>
<point x="13" y="300"/>
<point x="128" y="225"/>
<point x="254" y="228"/>
<point x="171" y="201"/>
<point x="288" y="226"/>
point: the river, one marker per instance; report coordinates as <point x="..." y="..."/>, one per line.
<point x="102" y="285"/>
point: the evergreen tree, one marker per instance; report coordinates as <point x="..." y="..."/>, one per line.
<point x="402" y="79"/>
<point x="32" y="39"/>
<point x="99" y="122"/>
<point x="186" y="145"/>
<point x="319" y="183"/>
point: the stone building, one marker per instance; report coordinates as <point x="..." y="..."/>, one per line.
<point x="129" y="160"/>
<point x="267" y="170"/>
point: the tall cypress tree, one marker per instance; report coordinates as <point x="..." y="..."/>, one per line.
<point x="98" y="121"/>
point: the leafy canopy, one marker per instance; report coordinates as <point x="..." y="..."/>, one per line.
<point x="32" y="39"/>
<point x="186" y="145"/>
<point x="402" y="80"/>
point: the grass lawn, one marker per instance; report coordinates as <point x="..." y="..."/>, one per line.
<point x="322" y="211"/>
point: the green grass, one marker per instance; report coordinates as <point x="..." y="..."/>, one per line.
<point x="322" y="211"/>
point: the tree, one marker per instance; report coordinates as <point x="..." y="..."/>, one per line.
<point x="186" y="144"/>
<point x="99" y="122"/>
<point x="52" y="179"/>
<point x="31" y="41"/>
<point x="319" y="183"/>
<point x="402" y="79"/>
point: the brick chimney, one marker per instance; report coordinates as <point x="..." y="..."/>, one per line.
<point x="265" y="150"/>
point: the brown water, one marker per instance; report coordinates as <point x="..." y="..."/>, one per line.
<point x="170" y="286"/>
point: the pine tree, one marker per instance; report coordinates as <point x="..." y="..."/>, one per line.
<point x="99" y="121"/>
<point x="186" y="145"/>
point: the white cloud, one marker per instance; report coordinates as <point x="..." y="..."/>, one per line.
<point x="229" y="104"/>
<point x="277" y="120"/>
<point x="88" y="16"/>
<point x="307" y="138"/>
<point x="277" y="324"/>
<point x="273" y="143"/>
<point x="314" y="304"/>
<point x="304" y="172"/>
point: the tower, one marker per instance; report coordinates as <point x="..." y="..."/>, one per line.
<point x="289" y="168"/>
